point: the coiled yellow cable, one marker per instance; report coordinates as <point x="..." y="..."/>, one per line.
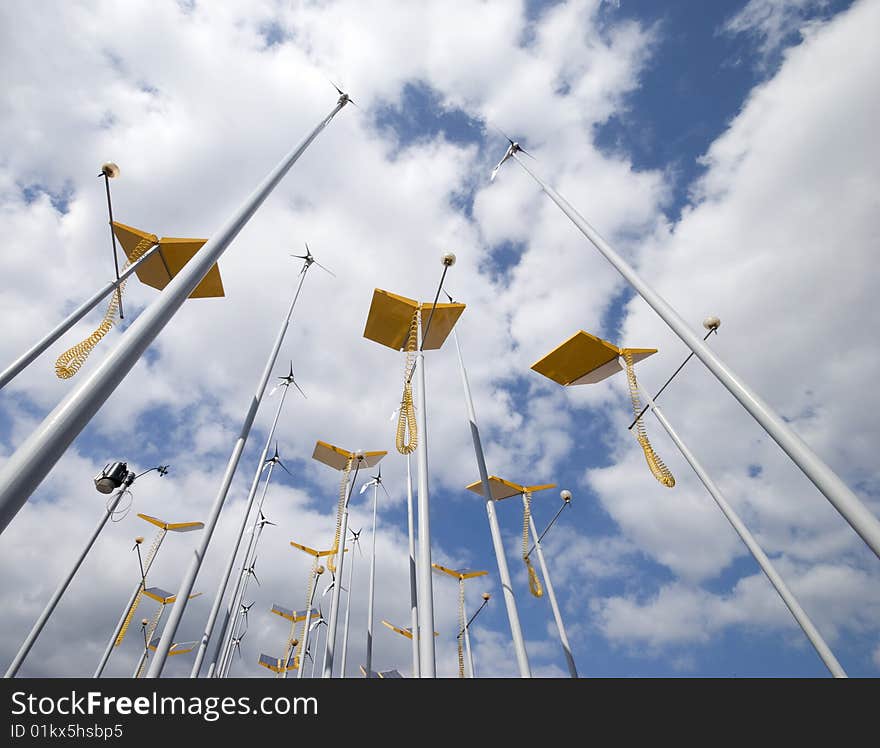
<point x="535" y="586"/>
<point x="69" y="362"/>
<point x="137" y="600"/>
<point x="406" y="419"/>
<point x="461" y="626"/>
<point x="657" y="466"/>
<point x="340" y="508"/>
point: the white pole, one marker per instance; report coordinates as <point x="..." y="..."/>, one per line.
<point x="314" y="658"/>
<point x="836" y="491"/>
<point x="56" y="596"/>
<point x="560" y="627"/>
<point x="230" y="561"/>
<point x="766" y="566"/>
<point x="503" y="572"/>
<point x="31" y="462"/>
<point x="26" y="358"/>
<point x="369" y="664"/>
<point x="427" y="662"/>
<point x="347" y="614"/>
<point x="413" y="594"/>
<point x="137" y="590"/>
<point x="467" y="638"/>
<point x="146" y="652"/>
<point x="330" y="638"/>
<point x="224" y="645"/>
<point x="304" y="645"/>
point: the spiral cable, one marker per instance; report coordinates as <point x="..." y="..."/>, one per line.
<point x="340" y="508"/>
<point x="406" y="419"/>
<point x="69" y="362"/>
<point x="535" y="586"/>
<point x="657" y="466"/>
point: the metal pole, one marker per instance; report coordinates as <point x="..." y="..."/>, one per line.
<point x="113" y="240"/>
<point x="137" y="590"/>
<point x="788" y="598"/>
<point x="189" y="577"/>
<point x="230" y="561"/>
<point x="835" y="490"/>
<point x="56" y="596"/>
<point x="467" y="641"/>
<point x="26" y="358"/>
<point x="347" y="614"/>
<point x="31" y="462"/>
<point x="314" y="659"/>
<point x="503" y="572"/>
<point x="330" y="639"/>
<point x="546" y="529"/>
<point x="372" y="585"/>
<point x="305" y="642"/>
<point x="413" y="593"/>
<point x="224" y="645"/>
<point x="560" y="627"/>
<point x="146" y="652"/>
<point x="427" y="662"/>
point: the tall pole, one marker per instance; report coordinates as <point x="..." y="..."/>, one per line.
<point x="56" y="596"/>
<point x="560" y="627"/>
<point x="242" y="582"/>
<point x="189" y="577"/>
<point x="427" y="664"/>
<point x="146" y="652"/>
<point x="304" y="646"/>
<point x="113" y="240"/>
<point x="467" y="638"/>
<point x="835" y="490"/>
<point x="413" y="593"/>
<point x="314" y="659"/>
<point x="138" y="589"/>
<point x="372" y="585"/>
<point x="230" y="561"/>
<point x="330" y="638"/>
<point x="224" y="645"/>
<point x="31" y="462"/>
<point x="28" y="357"/>
<point x="788" y="598"/>
<point x="347" y="612"/>
<point x="503" y="572"/>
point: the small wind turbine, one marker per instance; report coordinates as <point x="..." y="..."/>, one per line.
<point x="375" y="483"/>
<point x="356" y="541"/>
<point x="310" y="260"/>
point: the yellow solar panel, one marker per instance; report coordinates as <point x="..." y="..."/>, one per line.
<point x="338" y="458"/>
<point x="444" y="319"/>
<point x="172" y="526"/>
<point x="390" y="318"/>
<point x="460" y="574"/>
<point x="158" y="270"/>
<point x="504" y="489"/>
<point x="585" y="359"/>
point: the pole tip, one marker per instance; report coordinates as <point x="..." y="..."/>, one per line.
<point x="144" y="622"/>
<point x="711" y="323"/>
<point x="139" y="539"/>
<point x="319" y="570"/>
<point x="565" y="495"/>
<point x="448" y="259"/>
<point x="109" y="169"/>
<point x="486" y="596"/>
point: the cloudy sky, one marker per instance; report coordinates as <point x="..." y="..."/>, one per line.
<point x="727" y="149"/>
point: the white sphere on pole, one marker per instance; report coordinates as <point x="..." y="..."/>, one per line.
<point x="448" y="259"/>
<point x="711" y="323"/>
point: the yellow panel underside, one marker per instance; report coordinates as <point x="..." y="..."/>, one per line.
<point x="338" y="458"/>
<point x="581" y="355"/>
<point x="390" y="318"/>
<point x="173" y="254"/>
<point x="504" y="489"/>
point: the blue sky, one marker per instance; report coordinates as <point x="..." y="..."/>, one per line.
<point x="643" y="116"/>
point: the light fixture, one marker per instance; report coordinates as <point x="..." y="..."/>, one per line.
<point x="112" y="477"/>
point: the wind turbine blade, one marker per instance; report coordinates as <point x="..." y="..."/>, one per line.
<point x="385" y="490"/>
<point x="324" y="268"/>
<point x="338" y="89"/>
<point x="523" y="150"/>
<point x="300" y="390"/>
<point x="282" y="466"/>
